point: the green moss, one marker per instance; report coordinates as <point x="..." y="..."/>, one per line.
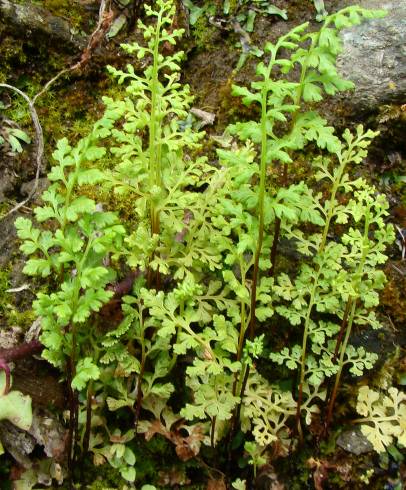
<point x="12" y="55"/>
<point x="103" y="477"/>
<point x="4" y="285"/>
<point x="64" y="8"/>
<point x="203" y="32"/>
<point x="23" y="319"/>
<point x="18" y="62"/>
<point x="9" y="313"/>
<point x="4" y="208"/>
<point x="71" y="11"/>
<point x="393" y="296"/>
<point x="233" y="5"/>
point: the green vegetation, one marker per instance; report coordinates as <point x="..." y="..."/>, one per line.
<point x="384" y="416"/>
<point x="164" y="318"/>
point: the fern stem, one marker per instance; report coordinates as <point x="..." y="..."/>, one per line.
<point x="154" y="140"/>
<point x="243" y="312"/>
<point x="155" y="145"/>
<point x="261" y="198"/>
<point x="212" y="432"/>
<point x="72" y="421"/>
<point x="138" y="398"/>
<point x="329" y="217"/>
<point x="343" y="348"/>
<point x="343" y="328"/>
<point x="299" y="95"/>
<point x="278" y="222"/>
<point x="363" y="420"/>
<point x="341" y="365"/>
<point x="86" y="437"/>
<point x="242" y="391"/>
<point x="240" y="344"/>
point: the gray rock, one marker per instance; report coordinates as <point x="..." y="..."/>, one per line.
<point x="32" y="19"/>
<point x="10" y="337"/>
<point x="374" y="57"/>
<point x="46" y="431"/>
<point x="18" y="443"/>
<point x="354" y="442"/>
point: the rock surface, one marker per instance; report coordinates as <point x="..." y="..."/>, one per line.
<point x="33" y="19"/>
<point x="354" y="442"/>
<point x="374" y="56"/>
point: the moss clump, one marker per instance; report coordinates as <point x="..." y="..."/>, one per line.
<point x="12" y="55"/>
<point x="4" y="285"/>
<point x="73" y="11"/>
<point x="102" y="477"/>
<point x="203" y="34"/>
<point x="23" y="319"/>
<point x="9" y="313"/>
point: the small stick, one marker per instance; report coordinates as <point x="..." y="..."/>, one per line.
<point x="105" y="20"/>
<point x="212" y="432"/>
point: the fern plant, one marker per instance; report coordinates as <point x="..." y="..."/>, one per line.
<point x="152" y="164"/>
<point x="367" y="246"/>
<point x="340" y="279"/>
<point x="155" y="165"/>
<point x="201" y="254"/>
<point x="212" y="318"/>
<point x="71" y="249"/>
<point x="286" y="126"/>
<point x="384" y="417"/>
<point x="284" y="101"/>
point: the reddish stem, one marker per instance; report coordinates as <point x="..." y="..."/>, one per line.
<point x="21" y="351"/>
<point x="342" y="330"/>
<point x="298" y="425"/>
<point x="5" y="367"/>
<point x="13" y="354"/>
<point x="138" y="399"/>
<point x="333" y="395"/>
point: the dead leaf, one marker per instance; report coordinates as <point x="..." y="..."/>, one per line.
<point x="207" y="118"/>
<point x="321" y="468"/>
<point x="268" y="479"/>
<point x="186" y="447"/>
<point x="98" y="459"/>
<point x="49" y="433"/>
<point x="122" y="438"/>
<point x="156" y="427"/>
